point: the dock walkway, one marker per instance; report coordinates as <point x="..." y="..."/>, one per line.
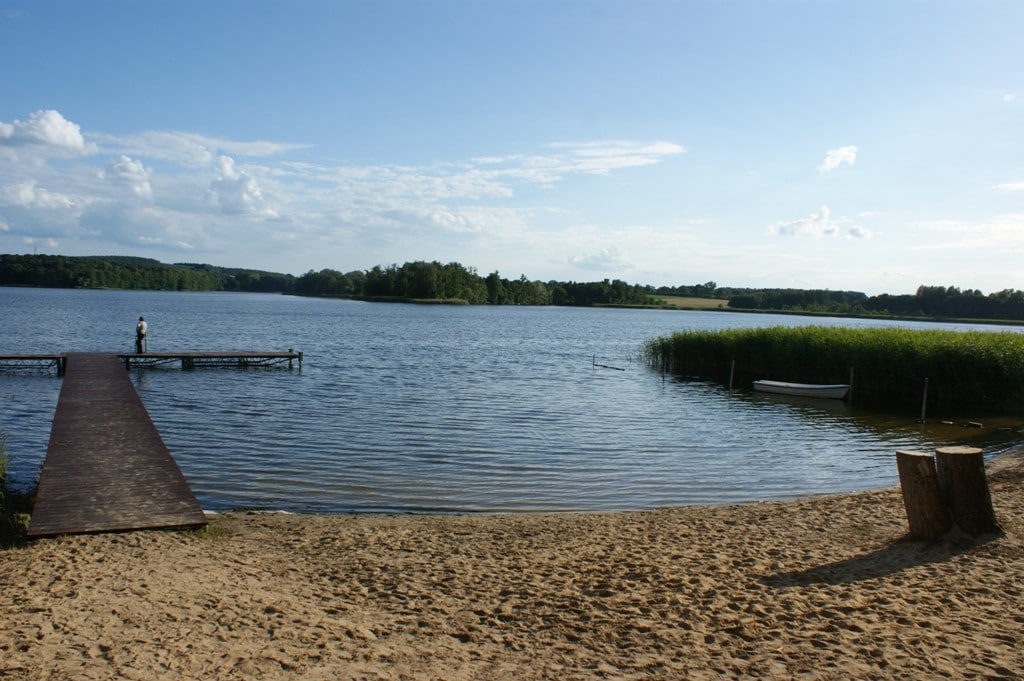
<point x="187" y="360"/>
<point x="106" y="467"/>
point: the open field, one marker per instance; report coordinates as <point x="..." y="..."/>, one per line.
<point x="690" y="303"/>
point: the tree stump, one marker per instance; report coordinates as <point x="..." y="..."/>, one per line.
<point x="964" y="487"/>
<point x="927" y="515"/>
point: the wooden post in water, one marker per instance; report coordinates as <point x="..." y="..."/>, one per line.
<point x="732" y="370"/>
<point x="961" y="476"/>
<point x="926" y="511"/>
<point x="924" y="399"/>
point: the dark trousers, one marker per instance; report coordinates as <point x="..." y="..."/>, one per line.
<point x="138" y="343"/>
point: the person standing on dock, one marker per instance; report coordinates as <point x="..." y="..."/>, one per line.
<point x="140" y="335"/>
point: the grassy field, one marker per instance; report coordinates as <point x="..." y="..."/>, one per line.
<point x="687" y="303"/>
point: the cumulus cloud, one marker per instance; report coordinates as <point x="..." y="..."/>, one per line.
<point x="838" y="157"/>
<point x="814" y="225"/>
<point x="238" y="193"/>
<point x="45" y="128"/>
<point x="29" y="195"/>
<point x="129" y="173"/>
<point x="210" y="189"/>
<point x="818" y="224"/>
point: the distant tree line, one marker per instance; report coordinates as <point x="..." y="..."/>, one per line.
<point x="123" y="272"/>
<point x="451" y="282"/>
<point x="815" y="300"/>
<point x="927" y="302"/>
<point x="455" y="282"/>
<point x="941" y="301"/>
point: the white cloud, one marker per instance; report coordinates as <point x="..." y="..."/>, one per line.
<point x="814" y="225"/>
<point x="238" y="193"/>
<point x="452" y="221"/>
<point x="184" y="192"/>
<point x="602" y="157"/>
<point x="129" y="173"/>
<point x="28" y="195"/>
<point x="1009" y="98"/>
<point x="188" y="149"/>
<point x="45" y="128"/>
<point x="838" y="157"/>
<point x="574" y="158"/>
<point x="1011" y="186"/>
<point x="611" y="259"/>
<point x="819" y="224"/>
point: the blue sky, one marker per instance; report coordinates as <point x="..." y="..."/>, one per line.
<point x="866" y="145"/>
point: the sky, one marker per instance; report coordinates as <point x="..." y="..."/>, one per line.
<point x="865" y="145"/>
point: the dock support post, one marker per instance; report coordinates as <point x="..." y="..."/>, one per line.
<point x="924" y="399"/>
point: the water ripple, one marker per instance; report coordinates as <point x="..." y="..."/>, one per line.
<point x="411" y="409"/>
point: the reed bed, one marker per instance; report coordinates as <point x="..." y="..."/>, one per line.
<point x="974" y="369"/>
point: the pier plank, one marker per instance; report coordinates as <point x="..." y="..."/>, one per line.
<point x="106" y="467"/>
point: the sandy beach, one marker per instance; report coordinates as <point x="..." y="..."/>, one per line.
<point x="820" y="588"/>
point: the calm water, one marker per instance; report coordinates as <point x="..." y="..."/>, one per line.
<point x="403" y="408"/>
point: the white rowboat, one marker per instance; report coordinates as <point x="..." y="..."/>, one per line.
<point x="835" y="391"/>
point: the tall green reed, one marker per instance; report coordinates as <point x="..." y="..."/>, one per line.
<point x="979" y="369"/>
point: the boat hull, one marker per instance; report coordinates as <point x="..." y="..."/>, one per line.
<point x="834" y="391"/>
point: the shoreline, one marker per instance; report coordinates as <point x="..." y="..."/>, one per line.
<point x="824" y="587"/>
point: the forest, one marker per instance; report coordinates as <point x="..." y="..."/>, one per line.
<point x="124" y="272"/>
<point x="453" y="282"/>
<point x="425" y="281"/>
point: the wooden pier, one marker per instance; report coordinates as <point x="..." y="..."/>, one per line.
<point x="196" y="360"/>
<point x="107" y="468"/>
<point x="186" y="360"/>
<point x="45" y="362"/>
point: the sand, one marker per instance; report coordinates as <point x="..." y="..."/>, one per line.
<point x="822" y="588"/>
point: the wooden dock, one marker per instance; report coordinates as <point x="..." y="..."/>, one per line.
<point x="186" y="360"/>
<point x="107" y="468"/>
<point x="196" y="360"/>
<point x="45" y="362"/>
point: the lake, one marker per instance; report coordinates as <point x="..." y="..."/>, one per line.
<point x="410" y="408"/>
